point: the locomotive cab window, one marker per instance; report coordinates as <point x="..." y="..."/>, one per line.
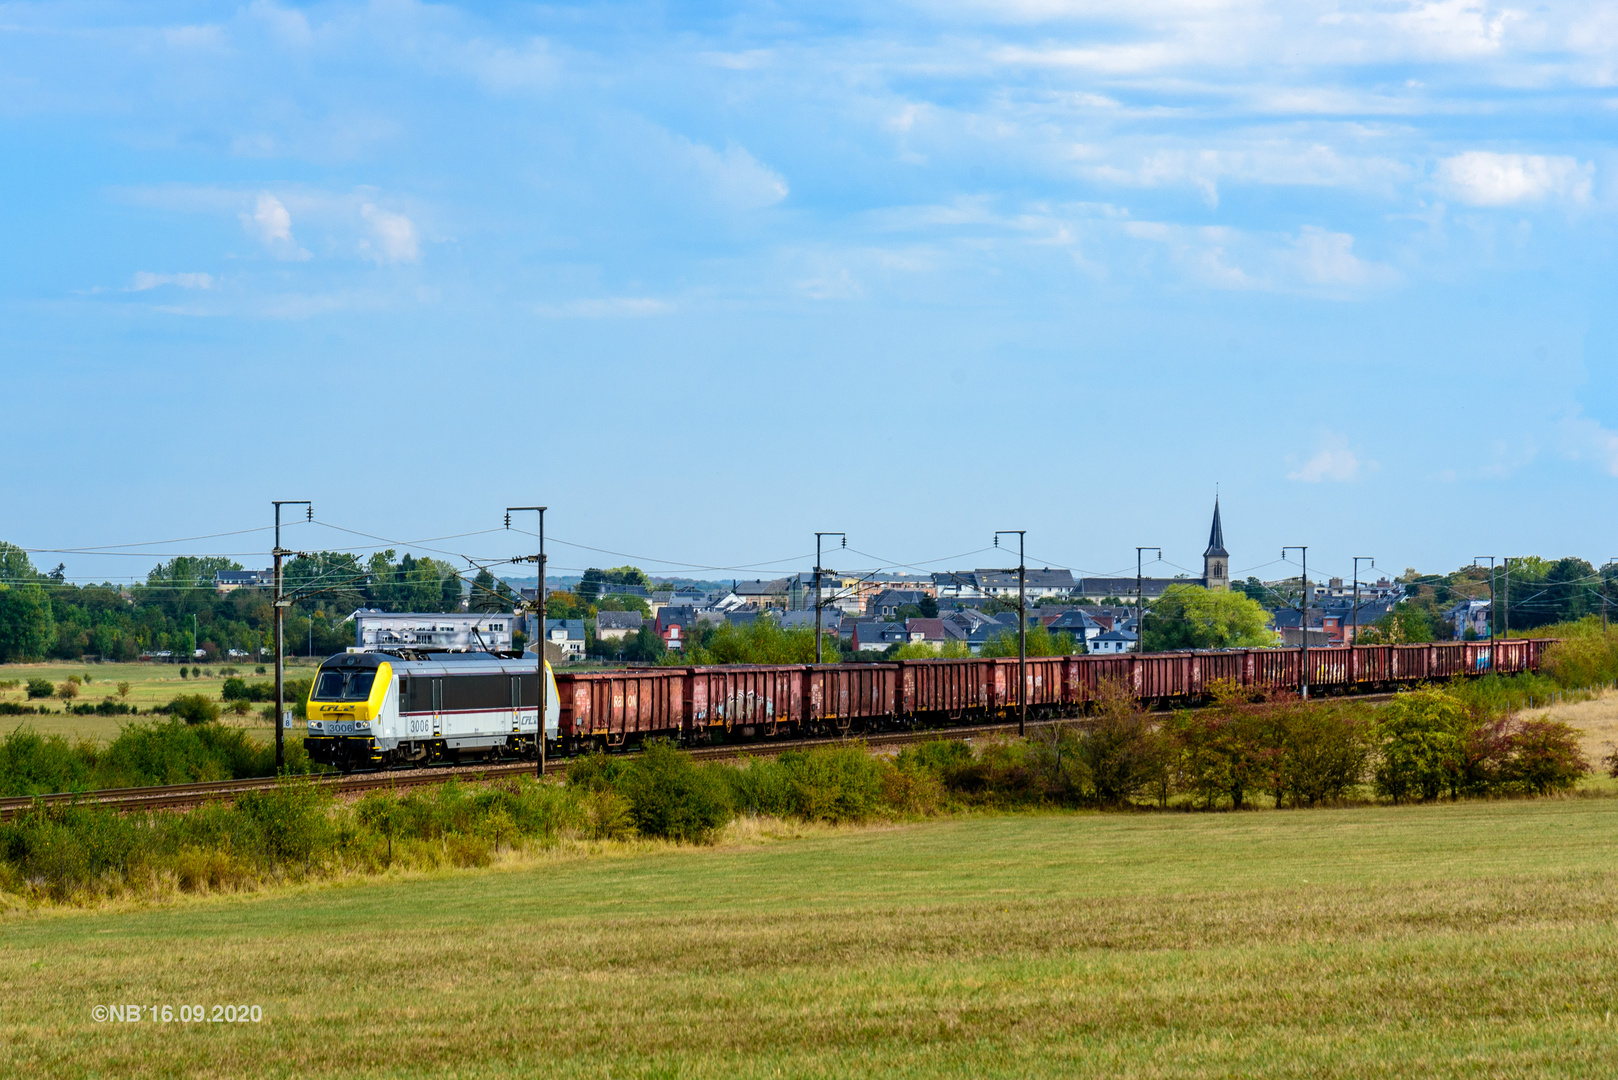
<point x="344" y="685"/>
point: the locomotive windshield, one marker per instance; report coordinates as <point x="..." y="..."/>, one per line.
<point x="344" y="685"/>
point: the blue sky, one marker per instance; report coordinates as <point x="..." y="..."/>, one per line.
<point x="914" y="271"/>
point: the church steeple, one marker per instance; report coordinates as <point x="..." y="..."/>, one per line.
<point x="1216" y="560"/>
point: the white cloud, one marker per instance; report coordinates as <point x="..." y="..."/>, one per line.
<point x="1334" y="462"/>
<point x="606" y="307"/>
<point x="1584" y="439"/>
<point x="1483" y="178"/>
<point x="736" y="177"/>
<point x="395" y="236"/>
<point x="270" y="223"/>
<point x="145" y="279"/>
<point x="1327" y="258"/>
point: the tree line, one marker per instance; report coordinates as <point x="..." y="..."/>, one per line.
<point x="43" y="616"/>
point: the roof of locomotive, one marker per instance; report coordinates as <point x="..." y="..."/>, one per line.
<point x="436" y="663"/>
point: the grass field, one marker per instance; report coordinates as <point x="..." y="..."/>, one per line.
<point x="150" y="684"/>
<point x="1475" y="939"/>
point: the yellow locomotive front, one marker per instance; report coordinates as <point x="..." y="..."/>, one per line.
<point x="346" y="708"/>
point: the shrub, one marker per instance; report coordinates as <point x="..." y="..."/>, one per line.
<point x="173" y="752"/>
<point x="1584" y="659"/>
<point x="1421" y="741"/>
<point x="291" y="818"/>
<point x="1122" y="750"/>
<point x="68" y="691"/>
<point x="1323" y="751"/>
<point x="234" y="690"/>
<point x="670" y="796"/>
<point x="1544" y="757"/>
<point x="123" y="689"/>
<point x="40" y="688"/>
<point x="193" y="709"/>
<point x="185" y="673"/>
<point x="35" y="764"/>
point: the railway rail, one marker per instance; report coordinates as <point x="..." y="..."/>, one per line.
<point x="179" y="796"/>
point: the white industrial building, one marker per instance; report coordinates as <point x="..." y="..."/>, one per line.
<point x="455" y="631"/>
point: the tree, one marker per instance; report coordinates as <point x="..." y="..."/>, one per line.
<point x="334" y="577"/>
<point x="1192" y="617"/>
<point x="489" y="595"/>
<point x="929" y="607"/>
<point x="1422" y="742"/>
<point x="26" y="627"/>
<point x="596" y="581"/>
<point x="624" y="602"/>
<point x="1406" y="624"/>
<point x="1041" y="642"/>
<point x="15" y="566"/>
<point x="644" y="646"/>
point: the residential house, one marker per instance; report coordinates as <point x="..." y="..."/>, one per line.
<point x="617" y="625"/>
<point x="1083" y="628"/>
<point x="868" y="635"/>
<point x="567" y="635"/>
<point x="930" y="631"/>
<point x="231" y="580"/>
<point x="1470" y="615"/>
<point x="1113" y="642"/>
<point x="775" y="593"/>
<point x="886" y="604"/>
<point x="1003" y="584"/>
<point x="674" y="624"/>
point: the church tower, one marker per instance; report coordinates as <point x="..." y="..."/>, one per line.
<point x="1216" y="560"/>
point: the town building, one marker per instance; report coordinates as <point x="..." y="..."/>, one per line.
<point x="617" y="625"/>
<point x="231" y="580"/>
<point x="447" y="631"/>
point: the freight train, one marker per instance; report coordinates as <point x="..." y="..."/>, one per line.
<point x="405" y="707"/>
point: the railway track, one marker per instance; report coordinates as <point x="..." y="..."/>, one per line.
<point x="176" y="796"/>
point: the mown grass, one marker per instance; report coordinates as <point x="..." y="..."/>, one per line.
<point x="1470" y="939"/>
<point x="150" y="685"/>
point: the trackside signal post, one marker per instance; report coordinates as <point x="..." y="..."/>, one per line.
<point x="1303" y="621"/>
<point x="539" y="629"/>
<point x="818" y="535"/>
<point x="1355" y="640"/>
<point x="281" y="605"/>
<point x="1022" y="627"/>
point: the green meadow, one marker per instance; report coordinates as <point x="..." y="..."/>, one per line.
<point x="1467" y="939"/>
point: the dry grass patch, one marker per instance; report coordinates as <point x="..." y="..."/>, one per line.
<point x="1596" y="720"/>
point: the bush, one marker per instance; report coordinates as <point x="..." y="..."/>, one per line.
<point x="193" y="709"/>
<point x="35" y="764"/>
<point x="234" y="690"/>
<point x="1583" y="660"/>
<point x="1421" y="737"/>
<point x="1544" y="757"/>
<point x="40" y="688"/>
<point x="68" y="691"/>
<point x="123" y="689"/>
<point x="1122" y="750"/>
<point x="670" y="796"/>
<point x="1322" y="752"/>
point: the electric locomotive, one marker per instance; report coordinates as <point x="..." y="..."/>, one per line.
<point x="405" y="707"/>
